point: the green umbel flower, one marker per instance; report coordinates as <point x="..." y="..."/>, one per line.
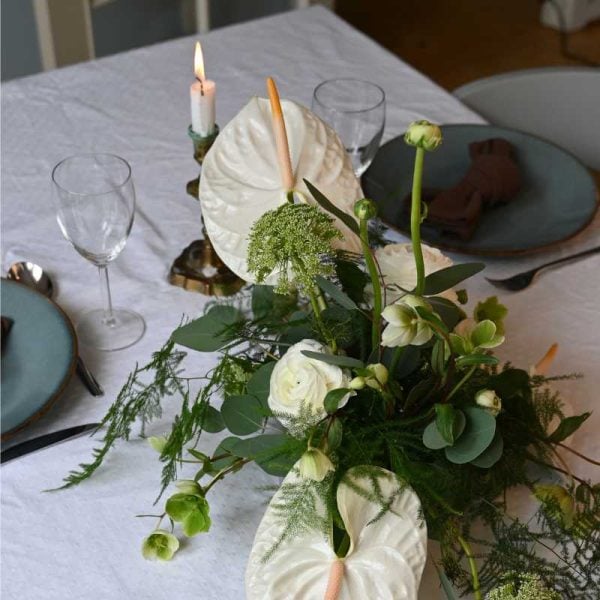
<point x="525" y="587"/>
<point x="293" y="237"/>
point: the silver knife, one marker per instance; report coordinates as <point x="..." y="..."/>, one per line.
<point x="43" y="441"/>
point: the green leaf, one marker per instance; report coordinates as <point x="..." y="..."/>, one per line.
<point x="225" y="447"/>
<point x="567" y="427"/>
<point x="271" y="452"/>
<point x="492" y="454"/>
<point x="450" y="422"/>
<point x="420" y="391"/>
<point x="432" y="438"/>
<point x="212" y="422"/>
<point x="476" y="359"/>
<point x="243" y="414"/>
<point x="326" y="204"/>
<point x="260" y="382"/>
<point x="334" y="359"/>
<point x="444" y="279"/>
<point x="335" y="293"/>
<point x="333" y="399"/>
<point x="450" y="314"/>
<point x="490" y="309"/>
<point x="335" y="435"/>
<point x="298" y="329"/>
<point x="352" y="278"/>
<point x="410" y="359"/>
<point x="210" y="332"/>
<point x="431" y="317"/>
<point x="262" y="301"/>
<point x="477" y="436"/>
<point x="438" y="360"/>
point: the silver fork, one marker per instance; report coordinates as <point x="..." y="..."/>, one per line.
<point x="523" y="280"/>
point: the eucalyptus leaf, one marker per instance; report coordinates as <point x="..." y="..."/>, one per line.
<point x="410" y="359"/>
<point x="334" y="435"/>
<point x="477" y="436"/>
<point x="450" y="422"/>
<point x="212" y="421"/>
<point x="476" y="359"/>
<point x="432" y="438"/>
<point x="270" y="451"/>
<point x="326" y="204"/>
<point x="225" y="447"/>
<point x="260" y="382"/>
<point x="492" y="454"/>
<point x="210" y="332"/>
<point x="444" y="279"/>
<point x="335" y="293"/>
<point x="334" y="359"/>
<point x="352" y="278"/>
<point x="243" y="414"/>
<point x="333" y="399"/>
<point x="567" y="427"/>
<point x="449" y="312"/>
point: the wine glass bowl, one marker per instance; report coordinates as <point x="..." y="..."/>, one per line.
<point x="355" y="109"/>
<point x="95" y="206"/>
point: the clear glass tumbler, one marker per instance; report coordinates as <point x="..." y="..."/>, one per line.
<point x="356" y="110"/>
<point x="95" y="203"/>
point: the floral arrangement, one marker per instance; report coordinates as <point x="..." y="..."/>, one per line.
<point x="360" y="378"/>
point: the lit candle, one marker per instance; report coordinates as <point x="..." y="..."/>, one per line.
<point x="202" y="96"/>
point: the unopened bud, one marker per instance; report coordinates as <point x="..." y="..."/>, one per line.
<point x="423" y="134"/>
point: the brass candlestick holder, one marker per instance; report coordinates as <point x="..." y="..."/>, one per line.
<point x="198" y="268"/>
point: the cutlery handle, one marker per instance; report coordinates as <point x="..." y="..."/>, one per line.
<point x="571" y="257"/>
<point x="88" y="379"/>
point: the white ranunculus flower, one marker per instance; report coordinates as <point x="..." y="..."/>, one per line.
<point x="397" y="265"/>
<point x="298" y="380"/>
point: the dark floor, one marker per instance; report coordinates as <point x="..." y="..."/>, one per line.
<point x="457" y="41"/>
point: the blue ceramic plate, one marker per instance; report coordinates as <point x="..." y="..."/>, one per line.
<point x="557" y="200"/>
<point x="38" y="357"/>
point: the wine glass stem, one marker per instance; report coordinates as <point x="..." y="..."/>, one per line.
<point x="109" y="318"/>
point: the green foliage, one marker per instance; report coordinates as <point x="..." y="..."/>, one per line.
<point x="333" y="399"/>
<point x="335" y="293"/>
<point x="449" y="422"/>
<point x="335" y="359"/>
<point x="292" y="237"/>
<point x="243" y="415"/>
<point x="567" y="427"/>
<point x="492" y="310"/>
<point x="327" y="205"/>
<point x="444" y="279"/>
<point x="210" y="332"/>
<point x="477" y="436"/>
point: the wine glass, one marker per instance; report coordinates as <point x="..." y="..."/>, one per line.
<point x="356" y="111"/>
<point x="95" y="203"/>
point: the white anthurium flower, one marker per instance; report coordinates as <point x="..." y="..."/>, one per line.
<point x="241" y="179"/>
<point x="397" y="264"/>
<point x="385" y="559"/>
<point x="405" y="326"/>
<point x="299" y="383"/>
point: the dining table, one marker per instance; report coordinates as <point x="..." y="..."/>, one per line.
<point x="85" y="542"/>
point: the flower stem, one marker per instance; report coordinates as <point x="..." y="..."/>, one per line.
<point x="461" y="382"/>
<point x="474" y="576"/>
<point x="415" y="221"/>
<point x="375" y="282"/>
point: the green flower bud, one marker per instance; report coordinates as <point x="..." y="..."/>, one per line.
<point x="160" y="544"/>
<point x="380" y="372"/>
<point x="315" y="465"/>
<point x="189" y="486"/>
<point x="559" y="497"/>
<point x="365" y="209"/>
<point x="358" y="383"/>
<point x="487" y="399"/>
<point x="423" y="134"/>
<point x="373" y="383"/>
<point x="158" y="442"/>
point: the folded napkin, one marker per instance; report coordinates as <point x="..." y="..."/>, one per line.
<point x="493" y="178"/>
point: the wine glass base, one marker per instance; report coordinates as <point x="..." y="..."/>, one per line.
<point x="123" y="330"/>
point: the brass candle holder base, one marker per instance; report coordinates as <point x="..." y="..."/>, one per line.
<point x="198" y="268"/>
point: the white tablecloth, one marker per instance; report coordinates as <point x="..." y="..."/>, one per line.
<point x="85" y="542"/>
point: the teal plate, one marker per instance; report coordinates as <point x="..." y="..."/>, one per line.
<point x="38" y="358"/>
<point x="557" y="200"/>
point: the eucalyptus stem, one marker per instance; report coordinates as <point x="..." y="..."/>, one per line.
<point x="375" y="282"/>
<point x="472" y="566"/>
<point x="236" y="465"/>
<point x="415" y="221"/>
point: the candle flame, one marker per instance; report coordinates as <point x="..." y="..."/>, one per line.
<point x="199" y="63"/>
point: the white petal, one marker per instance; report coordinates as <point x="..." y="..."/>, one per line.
<point x="241" y="181"/>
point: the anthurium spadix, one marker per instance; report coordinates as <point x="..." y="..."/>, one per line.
<point x="241" y="177"/>
<point x="385" y="560"/>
